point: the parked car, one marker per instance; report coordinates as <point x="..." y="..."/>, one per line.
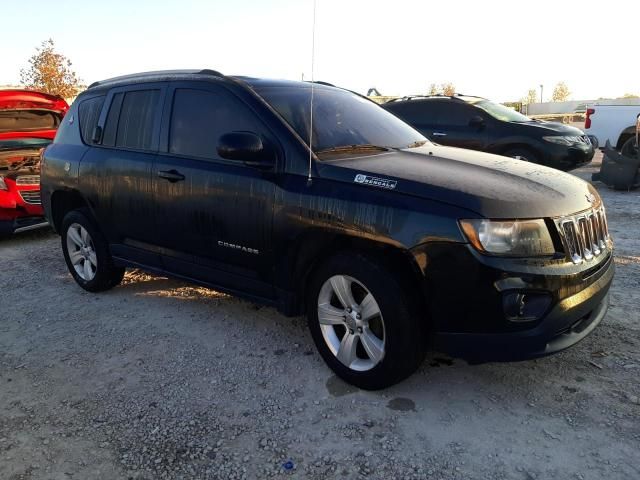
<point x="612" y="123"/>
<point x="28" y="123"/>
<point x="385" y="240"/>
<point x="479" y="124"/>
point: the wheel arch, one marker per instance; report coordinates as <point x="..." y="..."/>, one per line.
<point x="625" y="135"/>
<point x="62" y="202"/>
<point x="311" y="251"/>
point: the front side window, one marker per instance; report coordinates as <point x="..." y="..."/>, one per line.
<point x="340" y="119"/>
<point x="200" y="117"/>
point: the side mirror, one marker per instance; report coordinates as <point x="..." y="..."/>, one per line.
<point x="246" y="147"/>
<point x="476" y="121"/>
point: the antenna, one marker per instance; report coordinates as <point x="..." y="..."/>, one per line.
<point x="313" y="50"/>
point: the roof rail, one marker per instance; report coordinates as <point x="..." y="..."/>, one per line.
<point x="158" y="73"/>
<point x="455" y="96"/>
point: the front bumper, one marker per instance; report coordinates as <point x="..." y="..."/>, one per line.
<point x="568" y="158"/>
<point x="467" y="314"/>
<point x="22" y="224"/>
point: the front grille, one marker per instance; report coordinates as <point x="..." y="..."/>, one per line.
<point x="585" y="235"/>
<point x="31" y="197"/>
<point x="28" y="180"/>
<point x="585" y="139"/>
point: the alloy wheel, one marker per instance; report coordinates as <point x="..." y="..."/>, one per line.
<point x="351" y="323"/>
<point x="82" y="253"/>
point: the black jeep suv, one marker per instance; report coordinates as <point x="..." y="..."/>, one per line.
<point x="383" y="239"/>
<point x="479" y="124"/>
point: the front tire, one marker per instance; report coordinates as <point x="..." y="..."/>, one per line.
<point x="364" y="322"/>
<point x="86" y="253"/>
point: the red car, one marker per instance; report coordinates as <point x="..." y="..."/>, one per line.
<point x="28" y="123"/>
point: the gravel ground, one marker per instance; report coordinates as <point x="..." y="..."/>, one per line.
<point x="160" y="379"/>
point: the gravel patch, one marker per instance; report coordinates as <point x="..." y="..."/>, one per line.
<point x="158" y="379"/>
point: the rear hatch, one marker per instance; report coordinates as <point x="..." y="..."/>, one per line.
<point x="30" y="114"/>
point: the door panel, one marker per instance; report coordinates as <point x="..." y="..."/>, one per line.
<point x="116" y="172"/>
<point x="220" y="214"/>
<point x="453" y="126"/>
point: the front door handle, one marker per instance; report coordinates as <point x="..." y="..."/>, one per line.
<point x="172" y="175"/>
<point x="439" y="134"/>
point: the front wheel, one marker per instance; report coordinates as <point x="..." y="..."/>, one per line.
<point x="86" y="253"/>
<point x="364" y="322"/>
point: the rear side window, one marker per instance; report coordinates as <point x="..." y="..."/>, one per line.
<point x="131" y="119"/>
<point x="415" y="111"/>
<point x="88" y="114"/>
<point x="456" y="114"/>
<point x="111" y="124"/>
<point x="200" y="117"/>
<point x="137" y="115"/>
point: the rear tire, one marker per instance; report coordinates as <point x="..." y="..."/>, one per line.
<point x="86" y="252"/>
<point x="524" y="154"/>
<point x="364" y="322"/>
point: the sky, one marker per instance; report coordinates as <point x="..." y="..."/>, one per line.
<point x="495" y="49"/>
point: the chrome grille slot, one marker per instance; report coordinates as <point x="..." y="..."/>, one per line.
<point x="28" y="180"/>
<point x="585" y="235"/>
<point x="32" y="197"/>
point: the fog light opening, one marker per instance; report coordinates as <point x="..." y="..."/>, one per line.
<point x="524" y="306"/>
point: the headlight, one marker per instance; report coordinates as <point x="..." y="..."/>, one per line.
<point x="3" y="186"/>
<point x="518" y="238"/>
<point x="562" y="140"/>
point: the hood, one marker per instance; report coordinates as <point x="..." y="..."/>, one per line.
<point x="489" y="185"/>
<point x="30" y="114"/>
<point x="542" y="128"/>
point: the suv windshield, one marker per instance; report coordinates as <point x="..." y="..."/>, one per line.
<point x="501" y="112"/>
<point x="342" y="120"/>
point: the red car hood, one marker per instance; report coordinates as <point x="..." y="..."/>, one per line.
<point x="31" y="100"/>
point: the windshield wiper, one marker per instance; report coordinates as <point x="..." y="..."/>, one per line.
<point x="354" y="148"/>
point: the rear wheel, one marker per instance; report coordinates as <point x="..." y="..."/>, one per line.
<point x="630" y="148"/>
<point x="363" y="322"/>
<point x="522" y="154"/>
<point x="87" y="254"/>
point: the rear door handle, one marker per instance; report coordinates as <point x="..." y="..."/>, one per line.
<point x="171" y="175"/>
<point x="439" y="134"/>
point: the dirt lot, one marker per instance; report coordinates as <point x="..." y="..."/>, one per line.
<point x="159" y="379"/>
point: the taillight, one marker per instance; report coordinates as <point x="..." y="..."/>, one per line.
<point x="587" y="118"/>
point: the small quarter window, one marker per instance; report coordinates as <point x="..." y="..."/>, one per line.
<point x="88" y="113"/>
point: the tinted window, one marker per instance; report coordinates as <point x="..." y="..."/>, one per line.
<point x="455" y="114"/>
<point x="88" y="114"/>
<point x="199" y="118"/>
<point x="111" y="125"/>
<point x="415" y="111"/>
<point x="340" y="118"/>
<point x="137" y="118"/>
